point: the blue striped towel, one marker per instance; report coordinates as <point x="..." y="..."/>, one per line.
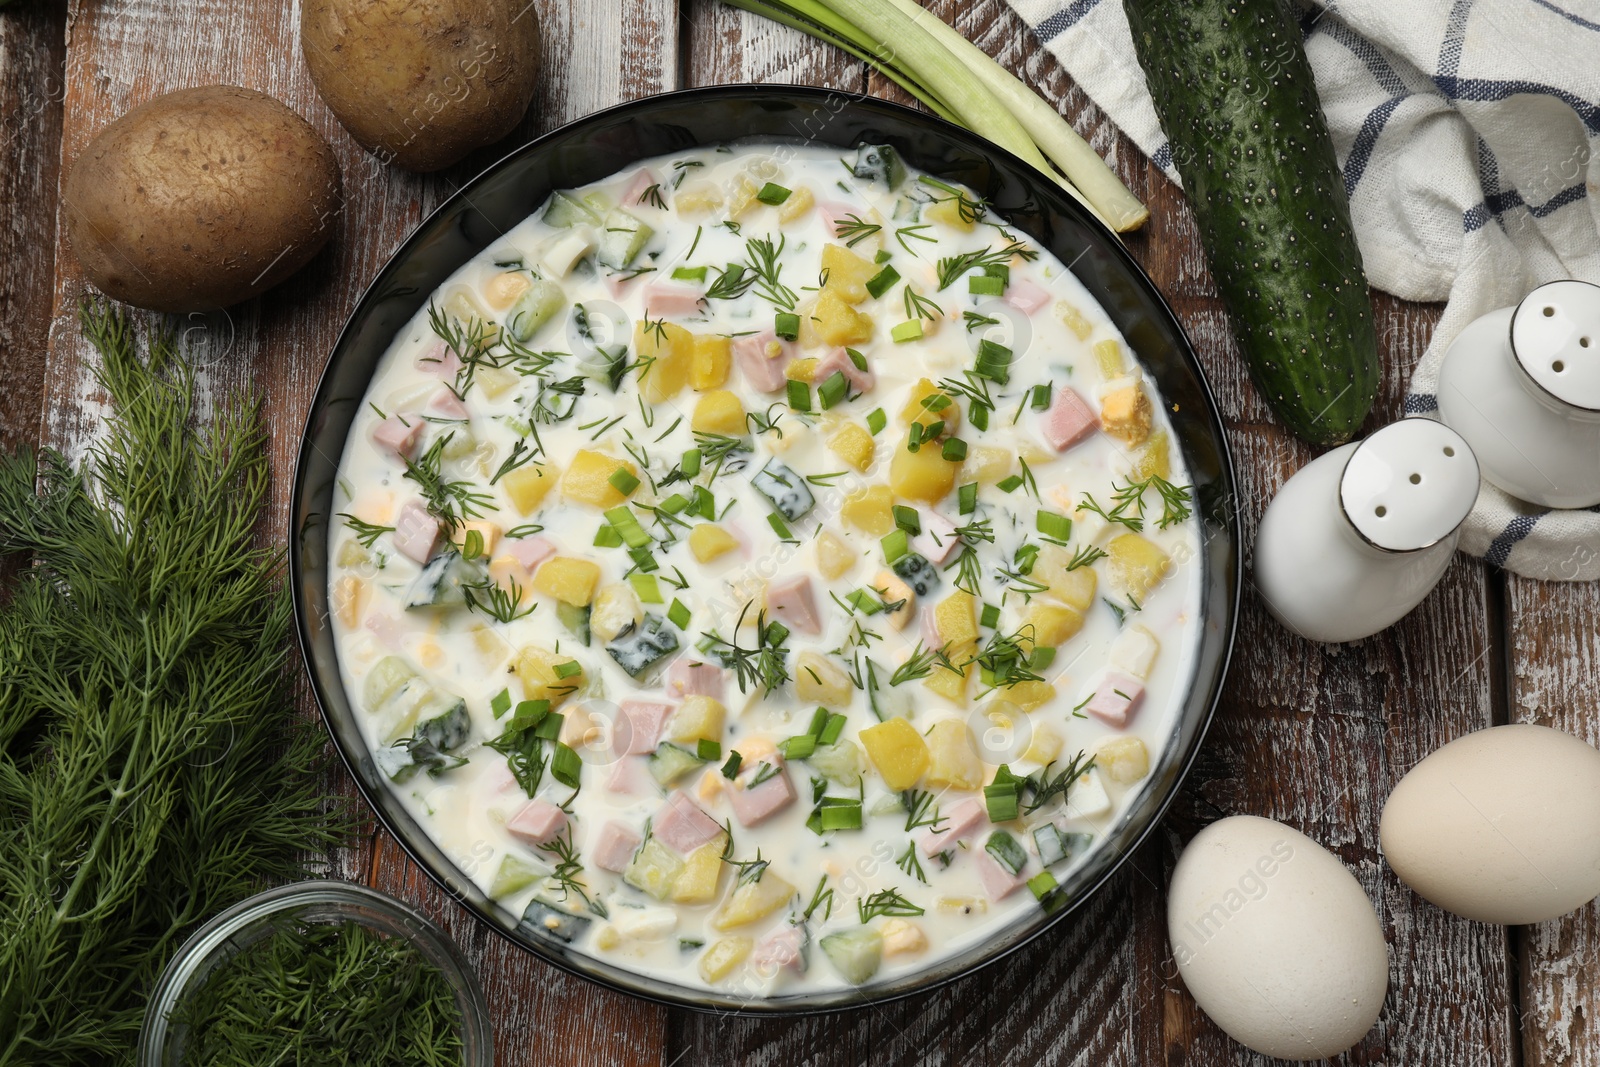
<point x="1469" y="133"/>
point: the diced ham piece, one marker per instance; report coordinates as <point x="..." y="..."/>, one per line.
<point x="641" y="181"/>
<point x="389" y="630"/>
<point x="960" y="820"/>
<point x="638" y="727"/>
<point x="696" y="679"/>
<point x="392" y="435"/>
<point x="618" y="284"/>
<point x="930" y="628"/>
<point x="762" y="371"/>
<point x="444" y="404"/>
<point x="794" y="601"/>
<point x="1068" y="420"/>
<point x="440" y="360"/>
<point x="937" y="540"/>
<point x="664" y="298"/>
<point x="780" y="949"/>
<point x="1117" y="699"/>
<point x="1027" y="297"/>
<point x="630" y="776"/>
<point x="754" y="804"/>
<point x="415" y="532"/>
<point x="998" y="882"/>
<point x="537" y="823"/>
<point x="839" y="360"/>
<point x="616" y="846"/>
<point x="529" y="551"/>
<point x="682" y="825"/>
<point x="835" y="213"/>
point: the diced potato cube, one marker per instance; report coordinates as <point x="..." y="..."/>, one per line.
<point x="502" y="289"/>
<point x="902" y="937"/>
<point x="753" y="900"/>
<point x="588" y="479"/>
<point x="923" y="475"/>
<point x="1051" y="624"/>
<point x="1030" y="695"/>
<point x="831" y="321"/>
<point x="869" y="510"/>
<point x="961" y="905"/>
<point x="847" y="273"/>
<point x="1126" y="414"/>
<point x="528" y="485"/>
<point x="1108" y="357"/>
<point x="718" y="411"/>
<point x="1124" y="759"/>
<point x="492" y="648"/>
<point x="697" y="198"/>
<point x="708" y="541"/>
<point x="917" y="407"/>
<point x="952" y="685"/>
<point x="349" y="599"/>
<point x="697" y="718"/>
<point x="709" y="362"/>
<point x="488" y="535"/>
<point x="615" y="609"/>
<point x="536" y="667"/>
<point x="802" y="370"/>
<point x="800" y="201"/>
<point x="496" y="382"/>
<point x="653" y="869"/>
<point x="571" y="581"/>
<point x="1074" y="588"/>
<point x="1073" y="319"/>
<point x="697" y="883"/>
<point x="893" y="589"/>
<point x="956" y="617"/>
<point x="351" y="554"/>
<point x="949" y="212"/>
<point x="897" y="751"/>
<point x="1044" y="746"/>
<point x="1137" y="564"/>
<point x="987" y="464"/>
<point x="818" y="680"/>
<point x="667" y="352"/>
<point x="1156" y="459"/>
<point x="835" y="557"/>
<point x="742" y="197"/>
<point x="853" y="444"/>
<point x="725" y="953"/>
<point x="953" y="763"/>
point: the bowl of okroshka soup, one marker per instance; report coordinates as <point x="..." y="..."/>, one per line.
<point x="764" y="550"/>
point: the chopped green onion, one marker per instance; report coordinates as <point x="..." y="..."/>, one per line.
<point x="1006" y="850"/>
<point x="1042" y="885"/>
<point x="786" y="325"/>
<point x="565" y="765"/>
<point x="819" y="720"/>
<point x="955" y="450"/>
<point x="914" y="437"/>
<point x="773" y="193"/>
<point x="678" y="614"/>
<point x="1039" y="398"/>
<point x="708" y="750"/>
<point x="568" y="669"/>
<point x="967" y="498"/>
<point x="647" y="587"/>
<point x="910" y="330"/>
<point x="895" y="545"/>
<point x="882" y="281"/>
<point x="690" y="463"/>
<point x="549" y="726"/>
<point x="673" y="504"/>
<point x="857" y="359"/>
<point x="979" y="415"/>
<point x="907" y="519"/>
<point x="990" y="617"/>
<point x="623" y="481"/>
<point x="840" y="813"/>
<point x="865" y="601"/>
<point x="993" y="362"/>
<point x="779" y="527"/>
<point x="689" y="274"/>
<point x="1041" y="658"/>
<point x="705" y="504"/>
<point x="730" y="770"/>
<point x="833" y="390"/>
<point x="877" y="420"/>
<point x="801" y="746"/>
<point x="643" y="559"/>
<point x="500" y="703"/>
<point x="998" y="270"/>
<point x="1010" y="484"/>
<point x="626" y="523"/>
<point x="985" y="285"/>
<point x="607" y="537"/>
<point x="1053" y="525"/>
<point x="830" y="733"/>
<point x="775" y="634"/>
<point x="799" y="395"/>
<point x="1001" y="800"/>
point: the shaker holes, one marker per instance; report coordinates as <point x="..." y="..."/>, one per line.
<point x="1449" y="451"/>
<point x="1548" y="312"/>
<point x="1583" y="342"/>
<point x="1558" y="366"/>
<point x="1380" y="511"/>
<point x="1416" y="479"/>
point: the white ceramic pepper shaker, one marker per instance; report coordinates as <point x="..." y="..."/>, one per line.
<point x="1362" y="533"/>
<point x="1522" y="385"/>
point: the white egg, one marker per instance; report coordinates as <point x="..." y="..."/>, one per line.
<point x="1276" y="940"/>
<point x="1502" y="825"/>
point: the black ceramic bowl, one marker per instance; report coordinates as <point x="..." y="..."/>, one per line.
<point x="609" y="141"/>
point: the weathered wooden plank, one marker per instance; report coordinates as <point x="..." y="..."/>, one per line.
<point x="1555" y="681"/>
<point x="32" y="62"/>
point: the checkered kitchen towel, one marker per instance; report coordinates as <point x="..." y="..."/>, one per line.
<point x="1469" y="132"/>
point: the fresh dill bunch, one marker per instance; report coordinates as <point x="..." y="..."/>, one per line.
<point x="152" y="770"/>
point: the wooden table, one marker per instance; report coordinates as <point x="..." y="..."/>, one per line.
<point x="1310" y="735"/>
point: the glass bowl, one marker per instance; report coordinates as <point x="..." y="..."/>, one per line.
<point x="603" y="144"/>
<point x="161" y="1042"/>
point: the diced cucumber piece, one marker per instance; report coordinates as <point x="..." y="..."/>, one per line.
<point x="885" y="700"/>
<point x="855" y="954"/>
<point x="915" y="570"/>
<point x="641" y="647"/>
<point x="653" y="869"/>
<point x="544" y="920"/>
<point x="400" y="761"/>
<point x="441" y="582"/>
<point x="622" y="239"/>
<point x="448" y="729"/>
<point x="399" y="714"/>
<point x="514" y="875"/>
<point x="460" y="443"/>
<point x="534" y="308"/>
<point x="880" y="163"/>
<point x="841" y="761"/>
<point x="575" y="619"/>
<point x="384" y="681"/>
<point x="789" y="493"/>
<point x="1007" y="851"/>
<point x="564" y="209"/>
<point x="670" y="762"/>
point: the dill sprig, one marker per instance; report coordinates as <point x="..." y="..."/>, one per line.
<point x="765" y="663"/>
<point x="921" y="809"/>
<point x="1128" y="507"/>
<point x="502" y="605"/>
<point x="885" y="902"/>
<point x="451" y="500"/>
<point x="366" y="532"/>
<point x="821" y="897"/>
<point x="151" y="770"/>
<point x="951" y="268"/>
<point x="910" y="864"/>
<point x="920" y="664"/>
<point x="764" y="259"/>
<point x="1046" y="788"/>
<point x="568" y="874"/>
<point x="853" y="229"/>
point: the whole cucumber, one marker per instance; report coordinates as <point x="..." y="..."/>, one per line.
<point x="1234" y="92"/>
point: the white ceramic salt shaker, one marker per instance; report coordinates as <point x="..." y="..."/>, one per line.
<point x="1361" y="534"/>
<point x="1522" y="385"/>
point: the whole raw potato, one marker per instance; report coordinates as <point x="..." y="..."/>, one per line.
<point x="200" y="199"/>
<point x="421" y="83"/>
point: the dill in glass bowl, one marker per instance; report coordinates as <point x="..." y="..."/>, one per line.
<point x="325" y="973"/>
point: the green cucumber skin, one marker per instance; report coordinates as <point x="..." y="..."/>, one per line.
<point x="1235" y="95"/>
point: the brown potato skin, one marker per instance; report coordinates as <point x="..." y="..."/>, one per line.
<point x="200" y="199"/>
<point x="420" y="83"/>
